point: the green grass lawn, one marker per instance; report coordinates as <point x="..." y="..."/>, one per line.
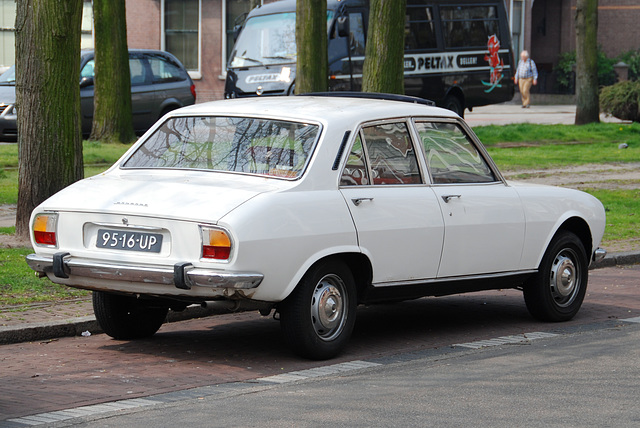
<point x="513" y="147"/>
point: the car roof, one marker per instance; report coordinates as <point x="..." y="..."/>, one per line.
<point x="326" y="109"/>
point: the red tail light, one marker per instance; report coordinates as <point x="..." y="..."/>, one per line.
<point x="193" y="92"/>
<point x="44" y="229"/>
<point x="216" y="244"/>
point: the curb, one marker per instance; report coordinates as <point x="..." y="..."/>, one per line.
<point x="33" y="332"/>
<point x="75" y="327"/>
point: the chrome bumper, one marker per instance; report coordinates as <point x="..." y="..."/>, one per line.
<point x="599" y="254"/>
<point x="182" y="275"/>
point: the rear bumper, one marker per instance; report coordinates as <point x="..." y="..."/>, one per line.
<point x="181" y="275"/>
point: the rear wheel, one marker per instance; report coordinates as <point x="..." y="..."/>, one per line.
<point x="453" y="103"/>
<point x="318" y="317"/>
<point x="556" y="292"/>
<point x="125" y="317"/>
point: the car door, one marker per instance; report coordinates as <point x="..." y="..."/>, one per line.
<point x="483" y="217"/>
<point x="143" y="97"/>
<point x="396" y="215"/>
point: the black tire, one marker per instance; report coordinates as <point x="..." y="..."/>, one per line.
<point x="125" y="318"/>
<point x="318" y="317"/>
<point x="453" y="103"/>
<point x="556" y="291"/>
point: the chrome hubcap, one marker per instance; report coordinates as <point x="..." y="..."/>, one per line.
<point x="564" y="278"/>
<point x="327" y="307"/>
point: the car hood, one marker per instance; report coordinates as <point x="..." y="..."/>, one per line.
<point x="7" y="94"/>
<point x="201" y="197"/>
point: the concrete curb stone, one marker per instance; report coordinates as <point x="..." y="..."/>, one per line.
<point x="45" y="331"/>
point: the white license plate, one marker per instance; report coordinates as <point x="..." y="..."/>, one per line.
<point x="128" y="240"/>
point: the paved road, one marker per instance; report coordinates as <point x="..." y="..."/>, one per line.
<point x="586" y="378"/>
<point x="43" y="377"/>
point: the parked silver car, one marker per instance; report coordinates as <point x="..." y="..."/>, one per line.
<point x="159" y="84"/>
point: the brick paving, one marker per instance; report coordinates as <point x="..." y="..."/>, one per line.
<point x="63" y="373"/>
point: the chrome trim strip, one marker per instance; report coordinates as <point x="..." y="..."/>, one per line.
<point x="147" y="274"/>
<point x="454" y="278"/>
<point x="121" y="226"/>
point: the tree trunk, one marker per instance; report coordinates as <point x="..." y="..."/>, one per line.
<point x="48" y="101"/>
<point x="383" y="69"/>
<point x="587" y="105"/>
<point x="311" y="40"/>
<point x="112" y="117"/>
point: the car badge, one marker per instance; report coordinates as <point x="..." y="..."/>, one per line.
<point x="259" y="91"/>
<point x="125" y="221"/>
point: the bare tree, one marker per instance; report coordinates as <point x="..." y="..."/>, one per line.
<point x="384" y="55"/>
<point x="587" y="105"/>
<point x="112" y="117"/>
<point x="48" y="101"/>
<point x="311" y="41"/>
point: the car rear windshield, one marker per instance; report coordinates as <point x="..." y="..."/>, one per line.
<point x="273" y="148"/>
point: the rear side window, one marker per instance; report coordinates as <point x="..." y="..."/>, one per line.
<point x="165" y="71"/>
<point x="451" y="156"/>
<point x="389" y="154"/>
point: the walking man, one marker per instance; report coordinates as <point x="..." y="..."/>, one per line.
<point x="526" y="75"/>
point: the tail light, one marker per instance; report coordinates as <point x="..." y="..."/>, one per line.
<point x="216" y="244"/>
<point x="44" y="229"/>
<point x="193" y="91"/>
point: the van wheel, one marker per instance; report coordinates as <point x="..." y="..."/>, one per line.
<point x="318" y="317"/>
<point x="453" y="103"/>
<point x="124" y="317"/>
<point x="556" y="292"/>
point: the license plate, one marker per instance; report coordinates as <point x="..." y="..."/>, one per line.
<point x="128" y="240"/>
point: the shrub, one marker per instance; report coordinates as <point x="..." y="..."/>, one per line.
<point x="621" y="100"/>
<point x="565" y="70"/>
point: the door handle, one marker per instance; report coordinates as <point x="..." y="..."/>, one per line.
<point x="447" y="198"/>
<point x="358" y="201"/>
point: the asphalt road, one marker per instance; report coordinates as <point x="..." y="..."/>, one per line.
<point x="580" y="379"/>
<point x="79" y="379"/>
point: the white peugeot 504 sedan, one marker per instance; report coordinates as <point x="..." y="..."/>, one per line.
<point x="311" y="205"/>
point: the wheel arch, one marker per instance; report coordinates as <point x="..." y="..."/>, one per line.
<point x="359" y="264"/>
<point x="579" y="227"/>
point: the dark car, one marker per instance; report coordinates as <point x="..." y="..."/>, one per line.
<point x="159" y="84"/>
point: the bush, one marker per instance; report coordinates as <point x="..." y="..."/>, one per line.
<point x="621" y="100"/>
<point x="565" y="71"/>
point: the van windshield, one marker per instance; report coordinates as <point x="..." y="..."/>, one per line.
<point x="267" y="40"/>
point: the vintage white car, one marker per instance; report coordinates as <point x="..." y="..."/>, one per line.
<point x="311" y="205"/>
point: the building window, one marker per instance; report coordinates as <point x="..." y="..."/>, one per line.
<point x="86" y="35"/>
<point x="7" y="34"/>
<point x="181" y="30"/>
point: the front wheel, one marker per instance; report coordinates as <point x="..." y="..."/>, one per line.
<point x="556" y="292"/>
<point x="125" y="317"/>
<point x="318" y="317"/>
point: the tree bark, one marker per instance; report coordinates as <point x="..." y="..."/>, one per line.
<point x="48" y="101"/>
<point x="383" y="69"/>
<point x="311" y="40"/>
<point x="587" y="105"/>
<point x="112" y="117"/>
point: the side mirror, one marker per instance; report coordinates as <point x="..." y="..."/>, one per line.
<point x="343" y="26"/>
<point x="86" y="81"/>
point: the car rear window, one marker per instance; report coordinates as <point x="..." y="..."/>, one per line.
<point x="266" y="147"/>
